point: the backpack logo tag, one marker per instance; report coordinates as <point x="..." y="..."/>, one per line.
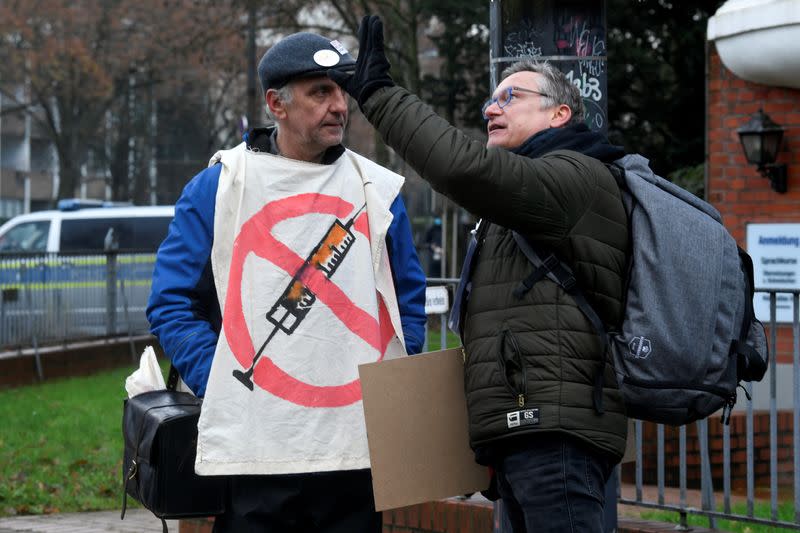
<point x="640" y="347"/>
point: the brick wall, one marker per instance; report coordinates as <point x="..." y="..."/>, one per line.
<point x="735" y="187"/>
<point x="446" y="516"/>
<point x="76" y="359"/>
<point x="738" y="449"/>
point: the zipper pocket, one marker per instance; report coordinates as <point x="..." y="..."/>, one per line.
<point x="719" y="391"/>
<point x="512" y="366"/>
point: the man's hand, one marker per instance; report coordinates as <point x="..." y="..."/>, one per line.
<point x="372" y="67"/>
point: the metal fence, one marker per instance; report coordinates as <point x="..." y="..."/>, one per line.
<point x="61" y="298"/>
<point x="781" y="390"/>
<point x="52" y="298"/>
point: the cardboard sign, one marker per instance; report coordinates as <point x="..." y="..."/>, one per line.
<point x="416" y="417"/>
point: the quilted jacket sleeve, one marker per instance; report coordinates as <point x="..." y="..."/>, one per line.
<point x="538" y="196"/>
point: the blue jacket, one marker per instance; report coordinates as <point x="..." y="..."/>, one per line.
<point x="184" y="312"/>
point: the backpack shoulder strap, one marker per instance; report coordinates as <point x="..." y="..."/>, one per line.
<point x="750" y="365"/>
<point x="459" y="309"/>
<point x="562" y="275"/>
<point x="618" y="172"/>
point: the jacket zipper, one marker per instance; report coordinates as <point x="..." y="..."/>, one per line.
<point x="669" y="385"/>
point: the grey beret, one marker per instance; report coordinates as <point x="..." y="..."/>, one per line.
<point x="301" y="55"/>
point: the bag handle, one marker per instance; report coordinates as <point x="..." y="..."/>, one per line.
<point x="750" y="366"/>
<point x="172" y="378"/>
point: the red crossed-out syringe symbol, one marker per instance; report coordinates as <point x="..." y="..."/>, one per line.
<point x="297" y="299"/>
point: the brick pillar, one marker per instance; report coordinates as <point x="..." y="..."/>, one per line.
<point x="735" y="187"/>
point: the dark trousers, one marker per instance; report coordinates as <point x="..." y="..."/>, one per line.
<point x="556" y="485"/>
<point x="326" y="502"/>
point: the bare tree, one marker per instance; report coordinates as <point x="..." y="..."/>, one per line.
<point x="95" y="68"/>
<point x="402" y="22"/>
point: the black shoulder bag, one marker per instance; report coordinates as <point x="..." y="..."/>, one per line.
<point x="160" y="432"/>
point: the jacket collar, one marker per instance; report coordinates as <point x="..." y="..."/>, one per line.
<point x="263" y="140"/>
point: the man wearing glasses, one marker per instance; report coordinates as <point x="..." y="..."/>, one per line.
<point x="544" y="409"/>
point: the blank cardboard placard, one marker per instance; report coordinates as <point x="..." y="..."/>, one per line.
<point x="416" y="418"/>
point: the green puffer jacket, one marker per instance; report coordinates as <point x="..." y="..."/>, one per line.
<point x="538" y="354"/>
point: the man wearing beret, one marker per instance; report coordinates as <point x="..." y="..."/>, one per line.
<point x="543" y="403"/>
<point x="289" y="262"/>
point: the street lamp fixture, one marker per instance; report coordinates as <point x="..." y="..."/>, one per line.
<point x="761" y="140"/>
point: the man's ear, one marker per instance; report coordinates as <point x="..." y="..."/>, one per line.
<point x="561" y="116"/>
<point x="275" y="104"/>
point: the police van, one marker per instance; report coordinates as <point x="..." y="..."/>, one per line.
<point x="58" y="281"/>
<point x="81" y="226"/>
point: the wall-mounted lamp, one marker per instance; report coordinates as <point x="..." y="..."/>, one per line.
<point x="761" y="140"/>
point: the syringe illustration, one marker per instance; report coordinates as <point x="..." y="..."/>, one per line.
<point x="296" y="301"/>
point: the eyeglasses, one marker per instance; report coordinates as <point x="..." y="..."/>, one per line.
<point x="505" y="97"/>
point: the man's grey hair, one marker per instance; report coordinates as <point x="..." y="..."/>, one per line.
<point x="285" y="94"/>
<point x="554" y="84"/>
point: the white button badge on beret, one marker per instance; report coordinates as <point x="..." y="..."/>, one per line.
<point x="326" y="58"/>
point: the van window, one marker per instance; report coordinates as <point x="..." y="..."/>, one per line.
<point x="133" y="234"/>
<point x="148" y="233"/>
<point x="26" y="237"/>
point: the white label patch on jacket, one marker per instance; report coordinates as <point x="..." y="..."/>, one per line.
<point x="526" y="417"/>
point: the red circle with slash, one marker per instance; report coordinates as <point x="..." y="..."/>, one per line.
<point x="255" y="236"/>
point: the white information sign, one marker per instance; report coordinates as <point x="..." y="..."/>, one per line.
<point x="775" y="249"/>
<point x="437" y="300"/>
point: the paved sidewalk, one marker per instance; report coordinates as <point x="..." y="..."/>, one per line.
<point x="136" y="521"/>
<point x="142" y="521"/>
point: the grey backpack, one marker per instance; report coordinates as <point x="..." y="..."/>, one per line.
<point x="689" y="334"/>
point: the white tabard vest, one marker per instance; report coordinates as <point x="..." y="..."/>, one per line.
<point x="304" y="283"/>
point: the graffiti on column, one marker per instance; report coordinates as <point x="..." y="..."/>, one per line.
<point x="592" y="86"/>
<point x="579" y="35"/>
<point x="583" y="35"/>
<point x="522" y="41"/>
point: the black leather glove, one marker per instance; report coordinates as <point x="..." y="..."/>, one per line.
<point x="372" y="67"/>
